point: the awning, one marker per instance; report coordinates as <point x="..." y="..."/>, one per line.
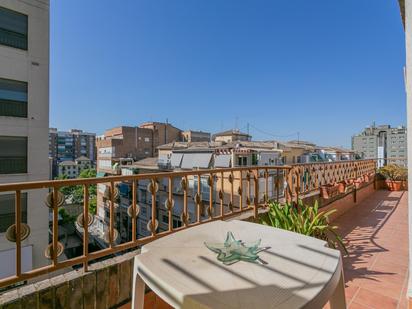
<point x="176" y="159"/>
<point x="196" y="160"/>
<point x="100" y="174"/>
<point x="222" y="160"/>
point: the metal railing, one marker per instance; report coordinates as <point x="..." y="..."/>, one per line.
<point x="232" y="191"/>
<point x="309" y="177"/>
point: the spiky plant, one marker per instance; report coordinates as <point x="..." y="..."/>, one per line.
<point x="304" y="219"/>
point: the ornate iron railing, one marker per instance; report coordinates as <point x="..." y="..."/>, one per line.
<point x="229" y="192"/>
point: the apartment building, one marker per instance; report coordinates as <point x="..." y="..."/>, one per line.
<point x="187" y="156"/>
<point x="72" y="169"/>
<point x="133" y="143"/>
<point x="24" y="122"/>
<point x="195" y="136"/>
<point x="68" y="146"/>
<point x="231" y="136"/>
<point x="385" y="143"/>
<point x="163" y="133"/>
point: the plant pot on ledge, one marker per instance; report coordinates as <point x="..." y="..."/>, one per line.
<point x="394" y="185"/>
<point x="405" y="185"/>
<point x="358" y="182"/>
<point x="329" y="191"/>
<point x="342" y="187"/>
<point x="396" y="177"/>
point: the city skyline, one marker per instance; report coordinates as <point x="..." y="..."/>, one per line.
<point x="201" y="66"/>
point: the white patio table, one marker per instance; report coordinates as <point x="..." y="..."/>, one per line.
<point x="301" y="272"/>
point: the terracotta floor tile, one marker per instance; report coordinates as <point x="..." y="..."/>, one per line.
<point x="350" y="291"/>
<point x="375" y="300"/>
<point x="355" y="305"/>
<point x="376" y="234"/>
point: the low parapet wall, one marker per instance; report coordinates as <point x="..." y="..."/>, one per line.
<point x="344" y="202"/>
<point x="107" y="284"/>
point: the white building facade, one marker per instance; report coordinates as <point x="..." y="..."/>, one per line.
<point x="24" y="122"/>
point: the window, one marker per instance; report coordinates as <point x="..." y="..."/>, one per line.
<point x="13" y="29"/>
<point x="7" y="207"/>
<point x="13" y="154"/>
<point x="143" y="212"/>
<point x="146" y="139"/>
<point x="176" y="223"/>
<point x="242" y="161"/>
<point x="13" y="98"/>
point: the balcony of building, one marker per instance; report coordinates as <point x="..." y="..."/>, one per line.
<point x="98" y="273"/>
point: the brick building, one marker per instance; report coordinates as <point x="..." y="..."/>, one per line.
<point x="134" y="143"/>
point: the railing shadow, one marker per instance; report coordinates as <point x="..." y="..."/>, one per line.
<point x="359" y="229"/>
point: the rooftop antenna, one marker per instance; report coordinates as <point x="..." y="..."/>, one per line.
<point x="248" y="128"/>
<point x="167" y="123"/>
<point x="236" y="120"/>
<point x="298" y="133"/>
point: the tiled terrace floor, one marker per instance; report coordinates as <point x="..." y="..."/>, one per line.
<point x="376" y="269"/>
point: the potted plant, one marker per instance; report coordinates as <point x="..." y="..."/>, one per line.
<point x="329" y="190"/>
<point x="304" y="219"/>
<point x="342" y="187"/>
<point x="395" y="177"/>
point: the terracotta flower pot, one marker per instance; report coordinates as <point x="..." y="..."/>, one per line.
<point x="328" y="191"/>
<point x="341" y="187"/>
<point x="394" y="185"/>
<point x="349" y="181"/>
<point x="358" y="182"/>
<point x="405" y="185"/>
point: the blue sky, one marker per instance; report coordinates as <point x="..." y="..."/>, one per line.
<point x="323" y="68"/>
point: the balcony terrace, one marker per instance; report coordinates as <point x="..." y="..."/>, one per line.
<point x="368" y="218"/>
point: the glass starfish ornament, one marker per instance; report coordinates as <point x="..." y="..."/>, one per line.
<point x="232" y="250"/>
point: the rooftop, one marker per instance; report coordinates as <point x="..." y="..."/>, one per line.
<point x="231" y="132"/>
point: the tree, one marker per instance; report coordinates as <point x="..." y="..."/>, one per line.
<point x="75" y="193"/>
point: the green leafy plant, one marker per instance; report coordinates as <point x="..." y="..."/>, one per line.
<point x="75" y="193"/>
<point x="304" y="219"/>
<point x="66" y="218"/>
<point x="394" y="172"/>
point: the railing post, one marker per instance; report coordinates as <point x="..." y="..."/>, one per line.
<point x="297" y="185"/>
<point x="240" y="191"/>
<point x="277" y="184"/>
<point x="55" y="227"/>
<point x="266" y="196"/>
<point x="185" y="215"/>
<point x="153" y="219"/>
<point x="111" y="226"/>
<point x="355" y="189"/>
<point x="231" y="208"/>
<point x="18" y="232"/>
<point x="222" y="195"/>
<point x="256" y="201"/>
<point x="85" y="226"/>
<point x="198" y="199"/>
<point x="288" y="189"/>
<point x="134" y="203"/>
<point x="170" y="204"/>
<point x="211" y="182"/>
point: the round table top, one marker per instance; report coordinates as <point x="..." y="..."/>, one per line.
<point x="300" y="271"/>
